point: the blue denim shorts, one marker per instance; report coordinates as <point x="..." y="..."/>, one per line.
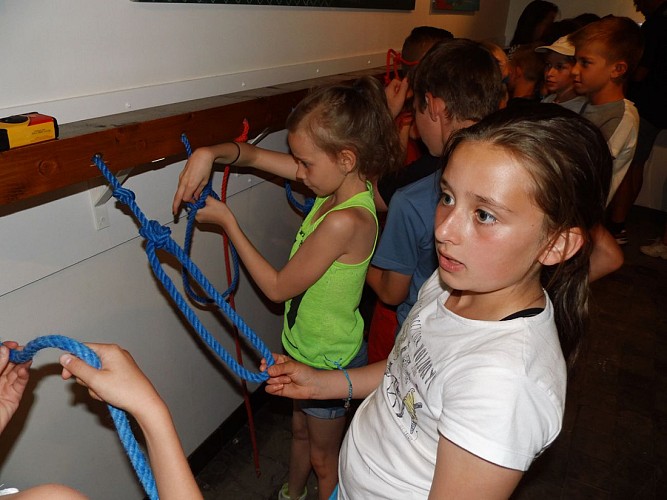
<point x="330" y="409"/>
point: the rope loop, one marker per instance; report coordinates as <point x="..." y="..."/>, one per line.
<point x="139" y="462"/>
<point x="160" y="237"/>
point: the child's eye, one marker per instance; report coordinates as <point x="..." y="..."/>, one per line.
<point x="485" y="217"/>
<point x="447" y="199"/>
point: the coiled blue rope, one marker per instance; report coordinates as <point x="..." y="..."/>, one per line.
<point x="136" y="456"/>
<point x="192" y="209"/>
<point x="303" y="208"/>
<point x="158" y="237"/>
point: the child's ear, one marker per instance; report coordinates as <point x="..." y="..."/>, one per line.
<point x="348" y="160"/>
<point x="562" y="246"/>
<point x="620" y="68"/>
<point x="435" y="106"/>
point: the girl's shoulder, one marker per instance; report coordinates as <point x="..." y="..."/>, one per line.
<point x="348" y="220"/>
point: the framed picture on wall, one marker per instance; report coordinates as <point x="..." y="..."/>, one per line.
<point x="341" y="4"/>
<point x="445" y="6"/>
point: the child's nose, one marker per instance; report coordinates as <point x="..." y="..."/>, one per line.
<point x="300" y="172"/>
<point x="447" y="225"/>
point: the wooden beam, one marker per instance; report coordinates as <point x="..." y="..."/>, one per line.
<point x="139" y="137"/>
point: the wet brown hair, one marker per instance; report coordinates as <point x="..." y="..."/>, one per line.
<point x="570" y="163"/>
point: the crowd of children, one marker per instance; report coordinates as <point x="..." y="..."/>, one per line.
<point x="492" y="235"/>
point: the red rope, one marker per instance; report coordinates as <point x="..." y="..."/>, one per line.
<point x="228" y="270"/>
<point x="394" y="60"/>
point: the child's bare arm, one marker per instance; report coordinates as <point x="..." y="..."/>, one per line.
<point x="391" y="287"/>
<point x="342" y="234"/>
<point x="460" y="474"/>
<point x="198" y="168"/>
<point x="121" y="383"/>
<point x="295" y="380"/>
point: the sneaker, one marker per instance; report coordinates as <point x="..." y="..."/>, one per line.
<point x="656" y="249"/>
<point x="283" y="494"/>
<point x="7" y="491"/>
<point x="621" y="237"/>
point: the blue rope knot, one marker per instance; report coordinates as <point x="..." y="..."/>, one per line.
<point x="192" y="206"/>
<point x="159" y="237"/>
<point x="123" y="195"/>
<point x="156" y="233"/>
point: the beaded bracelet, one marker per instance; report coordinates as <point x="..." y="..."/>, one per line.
<point x="238" y="153"/>
<point x="346" y="405"/>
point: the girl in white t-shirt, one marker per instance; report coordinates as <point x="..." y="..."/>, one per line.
<point x="474" y="389"/>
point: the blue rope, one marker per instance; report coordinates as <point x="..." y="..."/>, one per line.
<point x="136" y="456"/>
<point x="192" y="209"/>
<point x="303" y="208"/>
<point x="158" y="238"/>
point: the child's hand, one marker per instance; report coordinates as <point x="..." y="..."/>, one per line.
<point x="215" y="212"/>
<point x="13" y="380"/>
<point x="396" y="93"/>
<point x="194" y="177"/>
<point x="119" y="382"/>
<point x="291" y="379"/>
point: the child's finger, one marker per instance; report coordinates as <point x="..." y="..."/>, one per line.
<point x="78" y="368"/>
<point x="274" y="389"/>
<point x="178" y="198"/>
<point x="4" y="357"/>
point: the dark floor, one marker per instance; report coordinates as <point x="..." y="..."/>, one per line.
<point x="614" y="439"/>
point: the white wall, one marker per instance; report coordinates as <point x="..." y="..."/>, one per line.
<point x="108" y="56"/>
<point x="77" y="59"/>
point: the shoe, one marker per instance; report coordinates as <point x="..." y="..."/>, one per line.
<point x="7" y="491"/>
<point x="284" y="494"/>
<point x="656" y="249"/>
<point x="621" y="237"/>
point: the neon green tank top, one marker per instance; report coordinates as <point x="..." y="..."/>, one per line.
<point x="323" y="324"/>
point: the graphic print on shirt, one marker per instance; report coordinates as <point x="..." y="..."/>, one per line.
<point x="411" y="362"/>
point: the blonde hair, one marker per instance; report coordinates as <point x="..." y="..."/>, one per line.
<point x="620" y="36"/>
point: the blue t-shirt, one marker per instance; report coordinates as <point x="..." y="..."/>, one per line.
<point x="406" y="245"/>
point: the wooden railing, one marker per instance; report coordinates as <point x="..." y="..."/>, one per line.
<point x="140" y="137"/>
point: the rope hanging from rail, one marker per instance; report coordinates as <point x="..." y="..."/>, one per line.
<point x="192" y="209"/>
<point x="158" y="237"/>
<point x="119" y="417"/>
<point x="232" y="280"/>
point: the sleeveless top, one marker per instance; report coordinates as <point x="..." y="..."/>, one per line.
<point x="322" y="326"/>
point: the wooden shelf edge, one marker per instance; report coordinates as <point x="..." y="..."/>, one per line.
<point x="140" y="137"/>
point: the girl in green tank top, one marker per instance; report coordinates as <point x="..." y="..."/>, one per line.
<point x="340" y="137"/>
